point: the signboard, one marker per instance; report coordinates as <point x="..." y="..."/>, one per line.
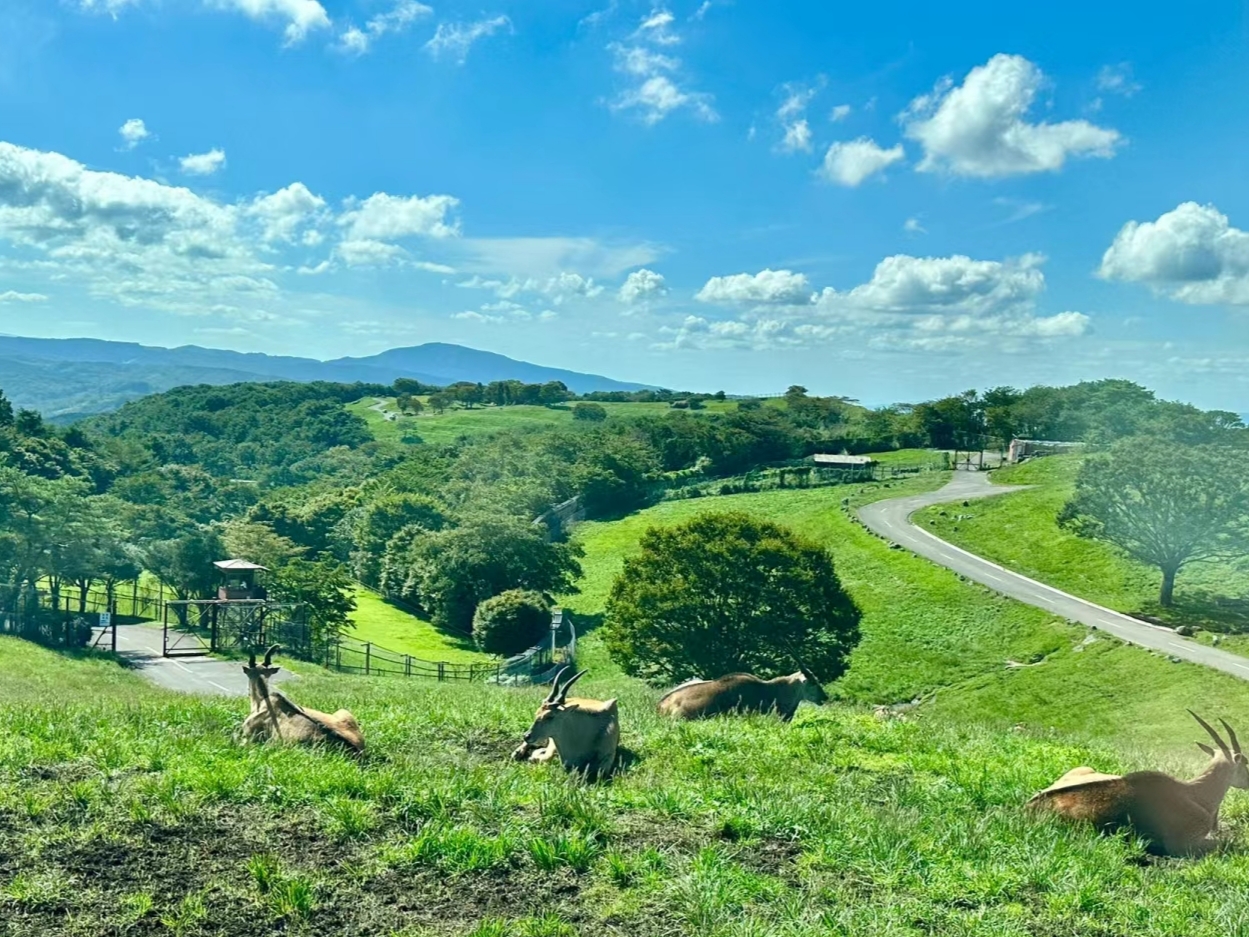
<point x="106" y="619"/>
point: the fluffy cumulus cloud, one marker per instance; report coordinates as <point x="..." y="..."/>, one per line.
<point x="850" y="163"/>
<point x="930" y="304"/>
<point x="655" y="87"/>
<point x="641" y="286"/>
<point x="454" y="40"/>
<point x="1192" y="254"/>
<point x="356" y="40"/>
<point x="288" y="210"/>
<point x="299" y="16"/>
<point x="203" y="164"/>
<point x="141" y="242"/>
<point x="980" y="128"/>
<point x="133" y="132"/>
<point x="780" y="287"/>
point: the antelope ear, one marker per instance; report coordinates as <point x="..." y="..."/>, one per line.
<point x="1206" y="748"/>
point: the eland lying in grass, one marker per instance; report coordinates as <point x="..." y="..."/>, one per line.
<point x="584" y="733"/>
<point x="273" y="716"/>
<point x="1178" y="818"/>
<point x="743" y="693"/>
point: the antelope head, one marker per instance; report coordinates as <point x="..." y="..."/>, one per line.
<point x="1240" y="767"/>
<point x="551" y="709"/>
<point x="265" y="670"/>
<point x="812" y="691"/>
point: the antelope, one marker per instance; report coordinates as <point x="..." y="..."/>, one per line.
<point x="743" y="693"/>
<point x="1178" y="818"/>
<point x="273" y="716"/>
<point x="584" y="733"/>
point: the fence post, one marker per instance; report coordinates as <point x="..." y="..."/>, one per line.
<point x="368" y="656"/>
<point x="338" y="656"/>
<point x="407" y="666"/>
<point x="442" y="667"/>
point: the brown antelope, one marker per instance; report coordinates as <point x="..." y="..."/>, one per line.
<point x="743" y="693"/>
<point x="273" y="716"/>
<point x="1178" y="818"/>
<point x="584" y="733"/>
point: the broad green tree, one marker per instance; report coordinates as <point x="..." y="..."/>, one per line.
<point x="322" y="590"/>
<point x="1164" y="505"/>
<point x="511" y="622"/>
<point x="729" y="592"/>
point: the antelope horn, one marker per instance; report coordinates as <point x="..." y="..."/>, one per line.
<point x="251" y="660"/>
<point x="551" y="697"/>
<point x="1214" y="735"/>
<point x="269" y="654"/>
<point x="563" y="692"/>
<point x="1231" y="735"/>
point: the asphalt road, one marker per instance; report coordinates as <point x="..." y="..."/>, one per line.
<point x="141" y="646"/>
<point x="891" y="519"/>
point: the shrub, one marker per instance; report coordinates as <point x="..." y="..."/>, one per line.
<point x="729" y="592"/>
<point x="511" y="622"/>
<point x="591" y="412"/>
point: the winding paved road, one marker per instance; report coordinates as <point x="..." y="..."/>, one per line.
<point x="141" y="647"/>
<point x="891" y="519"/>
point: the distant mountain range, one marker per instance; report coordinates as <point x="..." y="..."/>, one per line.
<point x="66" y="378"/>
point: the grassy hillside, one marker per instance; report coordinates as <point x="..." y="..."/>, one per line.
<point x="450" y="425"/>
<point x="395" y="629"/>
<point x="124" y="810"/>
<point x="1020" y="531"/>
<point x="927" y="634"/>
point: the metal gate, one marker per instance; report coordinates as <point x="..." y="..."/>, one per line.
<point x="206" y="626"/>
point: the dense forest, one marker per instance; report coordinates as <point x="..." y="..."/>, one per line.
<point x="284" y="474"/>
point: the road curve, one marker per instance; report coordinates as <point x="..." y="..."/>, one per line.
<point x="892" y="519"/>
<point x="141" y="647"/>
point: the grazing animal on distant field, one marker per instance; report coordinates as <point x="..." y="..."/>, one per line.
<point x="273" y="716"/>
<point x="1178" y="818"/>
<point x="743" y="693"/>
<point x="584" y="733"/>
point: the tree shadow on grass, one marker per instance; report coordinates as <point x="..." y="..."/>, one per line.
<point x="1201" y="608"/>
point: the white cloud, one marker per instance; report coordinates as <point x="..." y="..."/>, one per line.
<point x="840" y="113"/>
<point x="301" y="16"/>
<point x="913" y="226"/>
<point x="979" y="128"/>
<point x="655" y="92"/>
<point x="365" y="252"/>
<point x="12" y="296"/>
<point x="544" y="257"/>
<point x="922" y="304"/>
<point x="850" y="163"/>
<point x="112" y="7"/>
<point x="1020" y="209"/>
<point x="133" y="132"/>
<point x="797" y="137"/>
<point x="1117" y="79"/>
<point x="386" y="217"/>
<point x="642" y="285"/>
<point x="1191" y="254"/>
<point x="791" y="115"/>
<point x="404" y="13"/>
<point x="454" y="40"/>
<point x="656" y="28"/>
<point x="130" y="239"/>
<point x="203" y="164"/>
<point x="764" y="287"/>
<point x="286" y="210"/>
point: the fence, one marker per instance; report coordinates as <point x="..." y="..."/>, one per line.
<point x="126" y="599"/>
<point x="362" y="657"/>
<point x="790" y="475"/>
<point x="58" y="629"/>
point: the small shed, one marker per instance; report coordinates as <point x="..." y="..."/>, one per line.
<point x="239" y="580"/>
<point x="829" y="460"/>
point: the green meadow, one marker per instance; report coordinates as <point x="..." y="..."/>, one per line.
<point x="125" y="809"/>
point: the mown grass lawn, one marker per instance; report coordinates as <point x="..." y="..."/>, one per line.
<point x="1020" y="531"/>
<point x="126" y="810"/>
<point x="387" y="625"/>
<point x="450" y="425"/>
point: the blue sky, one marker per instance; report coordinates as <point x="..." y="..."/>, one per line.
<point x="888" y="202"/>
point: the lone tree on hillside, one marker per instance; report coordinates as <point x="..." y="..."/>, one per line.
<point x="1163" y="505"/>
<point x="511" y="622"/>
<point x="729" y="592"/>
